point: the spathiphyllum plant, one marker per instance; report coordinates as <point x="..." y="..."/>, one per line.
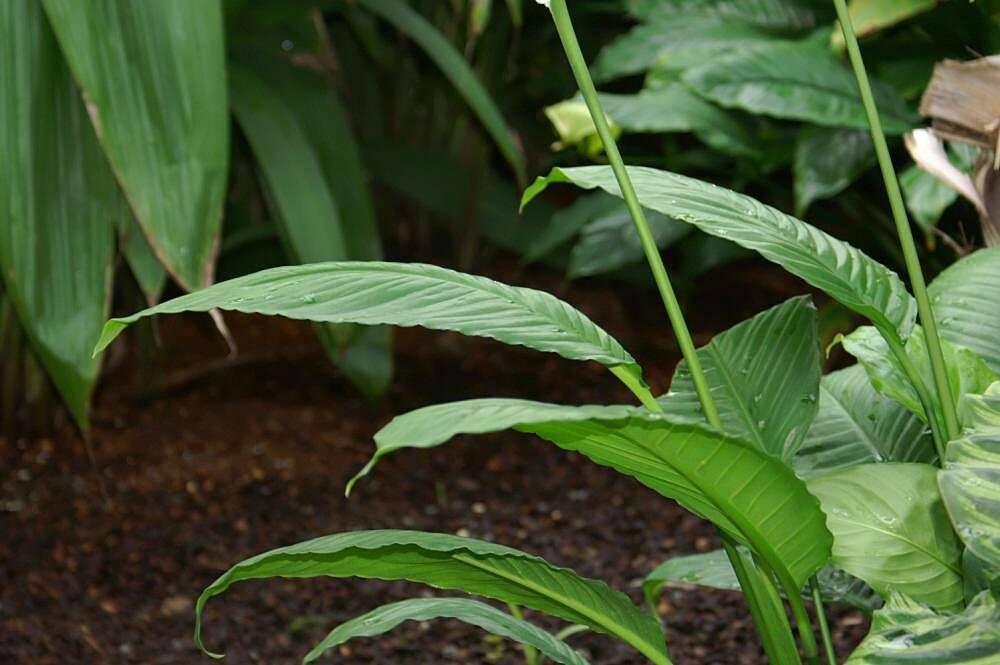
<point x="877" y="485"/>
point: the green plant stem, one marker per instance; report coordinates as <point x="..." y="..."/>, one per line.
<point x="917" y="283"/>
<point x="530" y="652"/>
<point x="578" y="64"/>
<point x="824" y="627"/>
<point x="923" y="394"/>
<point x="804" y="625"/>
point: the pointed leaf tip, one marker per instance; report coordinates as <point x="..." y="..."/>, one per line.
<point x="109" y="333"/>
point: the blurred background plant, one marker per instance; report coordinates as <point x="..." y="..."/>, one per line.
<point x="220" y="138"/>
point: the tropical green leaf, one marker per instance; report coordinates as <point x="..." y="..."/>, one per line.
<point x="970" y="479"/>
<point x="750" y="495"/>
<point x="450" y="562"/>
<point x="775" y="14"/>
<point x="60" y="205"/>
<point x="569" y="221"/>
<point x="490" y="619"/>
<point x="857" y="425"/>
<point x="797" y="81"/>
<point x="454" y="67"/>
<point x="763" y="374"/>
<point x="406" y="294"/>
<point x="827" y="160"/>
<point x="678" y="42"/>
<point x="713" y="569"/>
<point x="314" y="180"/>
<point x="871" y="16"/>
<point x="967" y="373"/>
<point x="926" y="196"/>
<point x="158" y="103"/>
<point x="890" y="528"/>
<point x="844" y="272"/>
<point x="966" y="301"/>
<point x="905" y="631"/>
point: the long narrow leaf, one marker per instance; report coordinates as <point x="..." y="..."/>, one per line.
<point x="844" y="272"/>
<point x="158" y="102"/>
<point x="455" y="68"/>
<point x="450" y="562"/>
<point x="388" y="617"/>
<point x="59" y="205"/>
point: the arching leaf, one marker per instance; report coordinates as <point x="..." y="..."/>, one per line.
<point x="966" y="300"/>
<point x="490" y="619"/>
<point x="450" y="562"/>
<point x="842" y="271"/>
<point x="158" y="103"/>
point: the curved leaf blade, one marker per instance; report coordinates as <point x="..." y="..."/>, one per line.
<point x="764" y="376"/>
<point x="966" y="300"/>
<point x="456" y="70"/>
<point x="490" y="619"/>
<point x="858" y="425"/>
<point x="890" y="528"/>
<point x="405" y="294"/>
<point x="827" y="160"/>
<point x="172" y="162"/>
<point x="450" y="562"/>
<point x="831" y="265"/>
<point x="750" y="495"/>
<point x="60" y="205"/>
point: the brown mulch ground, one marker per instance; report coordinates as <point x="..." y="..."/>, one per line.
<point x="230" y="463"/>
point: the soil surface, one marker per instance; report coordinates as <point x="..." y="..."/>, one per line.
<point x="214" y="465"/>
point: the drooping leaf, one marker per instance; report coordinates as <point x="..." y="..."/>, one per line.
<point x="905" y="632"/>
<point x="844" y="272"/>
<point x="827" y="160"/>
<point x="450" y="562"/>
<point x="966" y="301"/>
<point x="388" y="617"/>
<point x="158" y="103"/>
<point x="775" y="14"/>
<point x="713" y="569"/>
<point x="752" y="496"/>
<point x="763" y="374"/>
<point x="678" y="41"/>
<point x="454" y="67"/>
<point x="871" y="16"/>
<point x="970" y="479"/>
<point x="797" y="81"/>
<point x="857" y="425"/>
<point x="890" y="528"/>
<point x="314" y="179"/>
<point x="967" y="373"/>
<point x="59" y="206"/>
<point x="406" y="294"/>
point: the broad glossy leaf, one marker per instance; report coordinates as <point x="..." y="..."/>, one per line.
<point x="406" y="294"/>
<point x="59" y="205"/>
<point x="844" y="272"/>
<point x="970" y="479"/>
<point x="967" y="373"/>
<point x="776" y="14"/>
<point x="797" y="81"/>
<point x="857" y="425"/>
<point x="890" y="528"/>
<point x="713" y="569"/>
<point x="449" y="562"/>
<point x="827" y="160"/>
<point x="926" y="197"/>
<point x="750" y="495"/>
<point x="313" y="176"/>
<point x="966" y="300"/>
<point x="871" y="16"/>
<point x="388" y="617"/>
<point x="454" y="67"/>
<point x="158" y="103"/>
<point x="905" y="632"/>
<point x="678" y="42"/>
<point x="763" y="374"/>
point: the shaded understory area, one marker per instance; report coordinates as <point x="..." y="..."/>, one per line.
<point x="218" y="464"/>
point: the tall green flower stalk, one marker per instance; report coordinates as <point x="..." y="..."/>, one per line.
<point x="574" y="55"/>
<point x="913" y="267"/>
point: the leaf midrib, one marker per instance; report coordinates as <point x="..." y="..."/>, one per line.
<point x="920" y="548"/>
